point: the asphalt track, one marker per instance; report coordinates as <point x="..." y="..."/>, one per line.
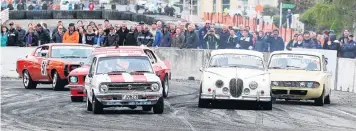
<point x="44" y="109"/>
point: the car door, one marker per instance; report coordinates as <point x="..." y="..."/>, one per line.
<point x="89" y="79"/>
<point x="40" y="65"/>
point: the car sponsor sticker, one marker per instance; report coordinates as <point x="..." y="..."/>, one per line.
<point x="44" y="67"/>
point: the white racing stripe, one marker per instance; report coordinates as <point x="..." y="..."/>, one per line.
<point x="128" y="77"/>
<point x="151" y="77"/>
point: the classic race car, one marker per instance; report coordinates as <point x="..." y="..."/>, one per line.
<point x="239" y="75"/>
<point x="77" y="76"/>
<point x="51" y="64"/>
<point x="299" y="75"/>
<point x="119" y="80"/>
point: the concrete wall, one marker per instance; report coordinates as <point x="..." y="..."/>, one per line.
<point x="184" y="63"/>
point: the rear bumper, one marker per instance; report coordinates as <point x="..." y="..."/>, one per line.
<point x="241" y="98"/>
<point x="76" y="90"/>
<point x="115" y="99"/>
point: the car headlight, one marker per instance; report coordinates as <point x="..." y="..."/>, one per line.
<point x="246" y="91"/>
<point x="103" y="88"/>
<point x="302" y="84"/>
<point x="253" y="85"/>
<point x="275" y="83"/>
<point x="73" y="79"/>
<point x="155" y="87"/>
<point x="219" y="83"/>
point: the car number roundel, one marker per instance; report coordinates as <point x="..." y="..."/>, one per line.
<point x="44" y="67"/>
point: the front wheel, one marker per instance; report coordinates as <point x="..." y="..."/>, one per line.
<point x="28" y="83"/>
<point x="165" y="85"/>
<point x="327" y="99"/>
<point x="320" y="101"/>
<point x="97" y="106"/>
<point x="159" y="107"/>
<point x="57" y="83"/>
<point x="89" y="105"/>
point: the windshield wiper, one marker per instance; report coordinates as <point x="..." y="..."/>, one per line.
<point x="275" y="67"/>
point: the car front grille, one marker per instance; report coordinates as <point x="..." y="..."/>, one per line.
<point x="123" y="87"/>
<point x="236" y="86"/>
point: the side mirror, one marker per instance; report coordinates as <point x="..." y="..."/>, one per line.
<point x="201" y="69"/>
<point x="90" y="75"/>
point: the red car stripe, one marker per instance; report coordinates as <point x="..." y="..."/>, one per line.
<point x="116" y="78"/>
<point x="139" y="78"/>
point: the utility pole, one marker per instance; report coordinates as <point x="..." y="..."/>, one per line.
<point x="280" y="14"/>
<point x="191" y="10"/>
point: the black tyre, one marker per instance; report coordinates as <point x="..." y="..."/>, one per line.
<point x="267" y="105"/>
<point x="76" y="98"/>
<point x="57" y="83"/>
<point x="327" y="99"/>
<point x="320" y="101"/>
<point x="202" y="103"/>
<point x="165" y="86"/>
<point x="146" y="108"/>
<point x="89" y="105"/>
<point x="27" y="81"/>
<point x="159" y="107"/>
<point x="97" y="107"/>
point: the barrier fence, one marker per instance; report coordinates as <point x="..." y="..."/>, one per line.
<point x="237" y="20"/>
<point x="4" y="16"/>
<point x="83" y="14"/>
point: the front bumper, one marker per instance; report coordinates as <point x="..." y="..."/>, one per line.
<point x="296" y="93"/>
<point x="76" y="90"/>
<point x="241" y="98"/>
<point x="115" y="99"/>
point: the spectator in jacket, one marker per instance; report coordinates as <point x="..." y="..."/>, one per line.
<point x="145" y="37"/>
<point x="100" y="38"/>
<point x="202" y="32"/>
<point x="31" y="38"/>
<point x="290" y="44"/>
<point x="276" y="42"/>
<point x="261" y="42"/>
<point x="245" y="42"/>
<point x="308" y="42"/>
<point x="3" y="36"/>
<point x="89" y="37"/>
<point x="348" y="48"/>
<point x="345" y="35"/>
<point x="57" y="37"/>
<point x="166" y="38"/>
<point x="71" y="36"/>
<point x="231" y="40"/>
<point x="191" y="38"/>
<point x="44" y="26"/>
<point x="159" y="25"/>
<point x="112" y="38"/>
<point x="157" y="34"/>
<point x="178" y="39"/>
<point x="211" y="40"/>
<point x="21" y="33"/>
<point x="60" y="23"/>
<point x="332" y="43"/>
<point x="81" y="32"/>
<point x="13" y="36"/>
<point x="131" y="40"/>
<point x="122" y="32"/>
<point x="224" y="35"/>
<point x="43" y="35"/>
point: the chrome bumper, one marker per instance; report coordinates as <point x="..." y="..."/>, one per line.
<point x="241" y="98"/>
<point x="148" y="98"/>
<point x="75" y="86"/>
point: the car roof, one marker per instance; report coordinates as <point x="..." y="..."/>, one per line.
<point x="127" y="51"/>
<point x="119" y="54"/>
<point x="297" y="52"/>
<point x="236" y="51"/>
<point x="66" y="44"/>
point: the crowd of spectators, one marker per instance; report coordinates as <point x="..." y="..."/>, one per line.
<point x="179" y="35"/>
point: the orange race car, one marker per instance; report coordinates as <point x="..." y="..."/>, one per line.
<point x="77" y="77"/>
<point x="51" y="64"/>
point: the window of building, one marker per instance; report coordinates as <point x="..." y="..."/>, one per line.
<point x="225" y="5"/>
<point x="214" y="5"/>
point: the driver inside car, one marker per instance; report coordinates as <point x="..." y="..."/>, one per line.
<point x="313" y="66"/>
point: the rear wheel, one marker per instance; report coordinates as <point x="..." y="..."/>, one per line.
<point x="76" y="98"/>
<point x="159" y="107"/>
<point x="57" y="83"/>
<point x="165" y="85"/>
<point x="28" y="83"/>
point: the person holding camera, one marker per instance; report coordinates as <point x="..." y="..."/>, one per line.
<point x="211" y="40"/>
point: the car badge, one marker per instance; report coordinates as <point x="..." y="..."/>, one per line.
<point x="129" y="87"/>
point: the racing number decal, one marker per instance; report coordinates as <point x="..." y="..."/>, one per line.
<point x="44" y="67"/>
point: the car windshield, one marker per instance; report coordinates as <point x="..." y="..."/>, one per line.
<point x="71" y="51"/>
<point x="236" y="60"/>
<point x="119" y="64"/>
<point x="295" y="62"/>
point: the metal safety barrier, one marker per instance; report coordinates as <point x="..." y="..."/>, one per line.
<point x="4" y="16"/>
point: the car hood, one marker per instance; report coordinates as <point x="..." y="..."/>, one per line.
<point x="84" y="70"/>
<point x="127" y="77"/>
<point x="70" y="60"/>
<point x="242" y="73"/>
<point x="295" y="75"/>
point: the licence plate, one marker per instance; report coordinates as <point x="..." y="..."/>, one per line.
<point x="129" y="97"/>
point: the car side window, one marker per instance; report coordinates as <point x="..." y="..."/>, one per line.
<point x="92" y="67"/>
<point x="38" y="52"/>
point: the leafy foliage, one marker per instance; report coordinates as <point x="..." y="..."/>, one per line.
<point x="270" y="10"/>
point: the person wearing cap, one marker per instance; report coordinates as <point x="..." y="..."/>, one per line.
<point x="13" y="36"/>
<point x="112" y="38"/>
<point x="348" y="48"/>
<point x="145" y="37"/>
<point x="71" y="36"/>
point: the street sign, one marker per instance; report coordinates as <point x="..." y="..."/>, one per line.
<point x="288" y="6"/>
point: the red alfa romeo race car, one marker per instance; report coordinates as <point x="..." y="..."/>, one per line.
<point x="51" y="64"/>
<point x="76" y="77"/>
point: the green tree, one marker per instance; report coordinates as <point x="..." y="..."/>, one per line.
<point x="270" y="10"/>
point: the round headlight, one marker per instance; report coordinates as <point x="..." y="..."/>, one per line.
<point x="302" y="84"/>
<point x="225" y="90"/>
<point x="219" y="83"/>
<point x="155" y="87"/>
<point x="103" y="88"/>
<point x="275" y="83"/>
<point x="253" y="85"/>
<point x="310" y="84"/>
<point x="73" y="79"/>
<point x="246" y="91"/>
